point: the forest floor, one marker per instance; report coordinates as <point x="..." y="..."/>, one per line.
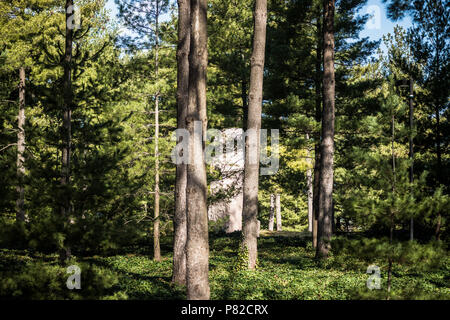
<point x="286" y="270"/>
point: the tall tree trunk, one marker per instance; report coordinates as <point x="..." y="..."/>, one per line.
<point x="316" y="194"/>
<point x="156" y="246"/>
<point x="272" y="211"/>
<point x="197" y="247"/>
<point x="309" y="184"/>
<point x="327" y="145"/>
<point x="67" y="126"/>
<point x="180" y="234"/>
<point x="411" y="149"/>
<point x="278" y="209"/>
<point x="252" y="143"/>
<point x="392" y="209"/>
<point x="438" y="87"/>
<point x="20" y="214"/>
<point x="439" y="166"/>
<point x="318" y="118"/>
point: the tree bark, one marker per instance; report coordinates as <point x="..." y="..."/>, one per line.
<point x="278" y="209"/>
<point x="180" y="232"/>
<point x="20" y="214"/>
<point x="327" y="144"/>
<point x="252" y="143"/>
<point x="156" y="246"/>
<point x="67" y="126"/>
<point x="310" y="188"/>
<point x="272" y="211"/>
<point x="197" y="247"/>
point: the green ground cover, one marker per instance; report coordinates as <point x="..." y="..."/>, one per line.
<point x="286" y="270"/>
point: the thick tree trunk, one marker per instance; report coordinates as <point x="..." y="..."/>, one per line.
<point x="67" y="126"/>
<point x="180" y="234"/>
<point x="327" y="145"/>
<point x="278" y="209"/>
<point x="156" y="246"/>
<point x="20" y="214"/>
<point x="252" y="144"/>
<point x="309" y="184"/>
<point x="272" y="211"/>
<point x="197" y="247"/>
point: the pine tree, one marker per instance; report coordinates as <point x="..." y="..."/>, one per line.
<point x="430" y="48"/>
<point x="143" y="17"/>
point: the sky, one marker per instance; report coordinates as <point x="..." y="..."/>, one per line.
<point x="112" y="6"/>
<point x="379" y="24"/>
<point x="375" y="28"/>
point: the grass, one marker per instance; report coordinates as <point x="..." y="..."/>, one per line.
<point x="286" y="270"/>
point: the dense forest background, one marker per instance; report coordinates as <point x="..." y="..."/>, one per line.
<point x="86" y="144"/>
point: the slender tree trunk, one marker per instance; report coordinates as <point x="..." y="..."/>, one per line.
<point x="20" y="214"/>
<point x="309" y="184"/>
<point x="252" y="144"/>
<point x="278" y="209"/>
<point x="156" y="246"/>
<point x="67" y="129"/>
<point x="180" y="234"/>
<point x="439" y="166"/>
<point x="318" y="116"/>
<point x="411" y="150"/>
<point x="316" y="194"/>
<point x="272" y="211"/>
<point x="327" y="145"/>
<point x="391" y="217"/>
<point x="197" y="247"/>
<point x="438" y="85"/>
<point x="67" y="126"/>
